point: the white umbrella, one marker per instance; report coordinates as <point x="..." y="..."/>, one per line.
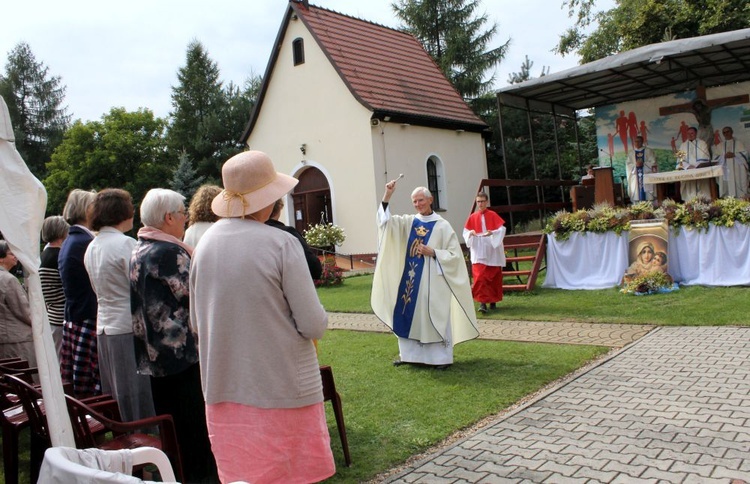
<point x="22" y="204"/>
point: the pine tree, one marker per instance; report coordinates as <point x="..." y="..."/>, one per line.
<point x="199" y="103"/>
<point x="35" y="102"/>
<point x="185" y="179"/>
<point x="454" y="37"/>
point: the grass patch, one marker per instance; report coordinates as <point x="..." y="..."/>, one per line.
<point x="690" y="306"/>
<point x="393" y="413"/>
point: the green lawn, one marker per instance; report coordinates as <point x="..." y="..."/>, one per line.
<point x="690" y="305"/>
<point x="393" y="413"/>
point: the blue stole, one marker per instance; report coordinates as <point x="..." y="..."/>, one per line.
<point x="408" y="289"/>
<point x="640" y="157"/>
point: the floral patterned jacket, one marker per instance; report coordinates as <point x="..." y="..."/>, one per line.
<point x="165" y="342"/>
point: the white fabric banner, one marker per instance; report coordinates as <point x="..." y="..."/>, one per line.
<point x="22" y="204"/>
<point x="719" y="257"/>
<point x="683" y="175"/>
<point x="586" y="261"/>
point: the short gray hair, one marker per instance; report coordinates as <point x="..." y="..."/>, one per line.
<point x="77" y="205"/>
<point x="424" y="190"/>
<point x="54" y="228"/>
<point x="157" y="203"/>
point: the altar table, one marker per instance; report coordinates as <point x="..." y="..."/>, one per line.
<point x="659" y="179"/>
<point x="719" y="257"/>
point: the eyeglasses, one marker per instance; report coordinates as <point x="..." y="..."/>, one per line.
<point x="181" y="211"/>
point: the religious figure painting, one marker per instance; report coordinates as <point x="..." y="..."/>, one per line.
<point x="647" y="248"/>
<point x="662" y="124"/>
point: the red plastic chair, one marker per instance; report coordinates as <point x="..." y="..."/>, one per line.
<point x="125" y="435"/>
<point x="13" y="419"/>
<point x="330" y="394"/>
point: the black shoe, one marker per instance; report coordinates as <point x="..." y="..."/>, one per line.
<point x="441" y="367"/>
<point x="483" y="308"/>
<point x="398" y="362"/>
<point x="492" y="306"/>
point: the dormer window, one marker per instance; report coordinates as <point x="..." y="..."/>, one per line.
<point x="298" y="51"/>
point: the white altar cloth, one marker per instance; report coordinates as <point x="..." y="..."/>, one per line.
<point x="719" y="257"/>
<point x="586" y="261"/>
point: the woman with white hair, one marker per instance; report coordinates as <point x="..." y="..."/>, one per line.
<point x="257" y="313"/>
<point x="79" y="361"/>
<point x="166" y="345"/>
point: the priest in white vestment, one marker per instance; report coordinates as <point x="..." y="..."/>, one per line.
<point x="421" y="285"/>
<point x="732" y="156"/>
<point x="696" y="152"/>
<point x="641" y="161"/>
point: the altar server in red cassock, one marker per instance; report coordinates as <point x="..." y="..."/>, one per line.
<point x="483" y="233"/>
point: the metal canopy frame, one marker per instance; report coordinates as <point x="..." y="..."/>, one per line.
<point x="646" y="72"/>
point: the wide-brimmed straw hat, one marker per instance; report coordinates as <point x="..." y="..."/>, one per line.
<point x="251" y="183"/>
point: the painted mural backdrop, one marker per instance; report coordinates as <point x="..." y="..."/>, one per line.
<point x="663" y="123"/>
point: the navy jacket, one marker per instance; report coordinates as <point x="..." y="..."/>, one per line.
<point x="80" y="299"/>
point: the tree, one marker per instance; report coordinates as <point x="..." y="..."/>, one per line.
<point x="35" y="102"/>
<point x="124" y="150"/>
<point x="454" y="37"/>
<point x="185" y="179"/>
<point x="635" y="23"/>
<point x="198" y="101"/>
<point x="208" y="119"/>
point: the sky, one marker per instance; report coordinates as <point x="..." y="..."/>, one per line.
<point x="127" y="54"/>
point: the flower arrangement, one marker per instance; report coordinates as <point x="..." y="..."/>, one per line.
<point x="651" y="283"/>
<point x="696" y="214"/>
<point x="324" y="235"/>
<point x="332" y="274"/>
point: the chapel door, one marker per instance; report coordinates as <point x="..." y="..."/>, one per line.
<point x="312" y="199"/>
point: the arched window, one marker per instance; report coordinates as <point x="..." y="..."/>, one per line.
<point x="435" y="181"/>
<point x="298" y="51"/>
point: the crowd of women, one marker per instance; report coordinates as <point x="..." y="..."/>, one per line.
<point x="220" y="337"/>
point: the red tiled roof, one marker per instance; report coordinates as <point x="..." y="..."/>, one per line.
<point x="387" y="70"/>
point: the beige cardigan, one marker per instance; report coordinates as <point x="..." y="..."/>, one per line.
<point x="256" y="311"/>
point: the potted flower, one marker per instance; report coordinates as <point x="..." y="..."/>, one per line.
<point x="327" y="236"/>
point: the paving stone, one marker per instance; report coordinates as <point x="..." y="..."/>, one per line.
<point x="466" y="475"/>
<point x="558" y="479"/>
<point x="470" y="465"/>
<point x="561" y="469"/>
<point x="433" y="479"/>
<point x="663" y="476"/>
<point x="701" y="470"/>
<point x="596" y="475"/>
<point x="530" y="475"/>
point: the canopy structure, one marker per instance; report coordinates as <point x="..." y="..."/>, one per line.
<point x="645" y="72"/>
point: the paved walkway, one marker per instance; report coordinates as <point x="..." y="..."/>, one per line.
<point x="612" y="335"/>
<point x="674" y="406"/>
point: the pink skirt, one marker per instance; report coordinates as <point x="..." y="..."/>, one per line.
<point x="276" y="445"/>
